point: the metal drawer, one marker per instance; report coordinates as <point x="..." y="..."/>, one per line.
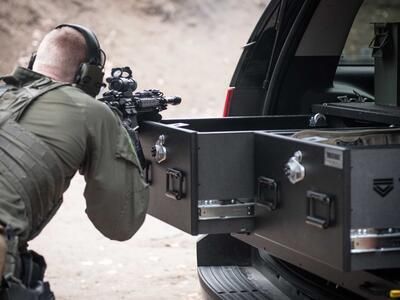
<point x="201" y="171"/>
<point x="341" y="210"/>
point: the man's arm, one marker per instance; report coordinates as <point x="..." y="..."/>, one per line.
<point x="116" y="194"/>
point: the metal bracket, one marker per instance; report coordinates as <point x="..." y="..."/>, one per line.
<point x="215" y="209"/>
<point x="369" y="240"/>
<point x="267" y="193"/>
<point x="320" y="210"/>
<point x="175" y="184"/>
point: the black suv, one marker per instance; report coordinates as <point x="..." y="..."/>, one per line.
<point x="287" y="217"/>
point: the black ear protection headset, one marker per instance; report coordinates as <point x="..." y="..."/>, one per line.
<point x="89" y="76"/>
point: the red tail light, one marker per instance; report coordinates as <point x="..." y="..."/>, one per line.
<point x="228" y="100"/>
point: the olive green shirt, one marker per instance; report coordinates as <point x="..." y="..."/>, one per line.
<point x="87" y="136"/>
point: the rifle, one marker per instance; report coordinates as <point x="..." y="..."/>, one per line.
<point x="134" y="107"/>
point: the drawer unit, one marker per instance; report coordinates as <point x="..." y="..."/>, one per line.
<point x="335" y="205"/>
<point x="201" y="171"/>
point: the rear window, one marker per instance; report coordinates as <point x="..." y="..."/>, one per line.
<point x="356" y="50"/>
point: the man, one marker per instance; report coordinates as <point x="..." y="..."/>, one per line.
<point x="49" y="129"/>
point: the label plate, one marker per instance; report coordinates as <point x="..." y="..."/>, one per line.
<point x="333" y="158"/>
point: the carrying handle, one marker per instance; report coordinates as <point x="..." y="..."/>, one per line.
<point x="267" y="193"/>
<point x="327" y="210"/>
<point x="174" y="184"/>
<point x="380" y="39"/>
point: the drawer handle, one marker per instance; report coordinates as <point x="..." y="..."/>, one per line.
<point x="175" y="184"/>
<point x="320" y="210"/>
<point x="267" y="193"/>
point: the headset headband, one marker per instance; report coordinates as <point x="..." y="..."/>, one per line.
<point x="94" y="50"/>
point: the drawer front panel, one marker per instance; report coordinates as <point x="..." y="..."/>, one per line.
<point x="181" y="212"/>
<point x="375" y="188"/>
<point x="226" y="165"/>
<point x="307" y="217"/>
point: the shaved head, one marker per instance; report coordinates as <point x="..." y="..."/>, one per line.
<point x="60" y="54"/>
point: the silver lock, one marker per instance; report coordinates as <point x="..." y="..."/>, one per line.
<point x="159" y="152"/>
<point x="318" y="120"/>
<point x="294" y="170"/>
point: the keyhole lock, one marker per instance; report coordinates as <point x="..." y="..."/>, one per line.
<point x="294" y="170"/>
<point x="159" y="151"/>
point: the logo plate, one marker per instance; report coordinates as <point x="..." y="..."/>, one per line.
<point x="383" y="186"/>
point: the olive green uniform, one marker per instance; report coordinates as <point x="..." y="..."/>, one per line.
<point x="83" y="134"/>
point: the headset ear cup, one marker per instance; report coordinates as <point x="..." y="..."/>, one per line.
<point x="89" y="79"/>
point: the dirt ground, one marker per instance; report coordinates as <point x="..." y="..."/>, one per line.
<point x="183" y="47"/>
